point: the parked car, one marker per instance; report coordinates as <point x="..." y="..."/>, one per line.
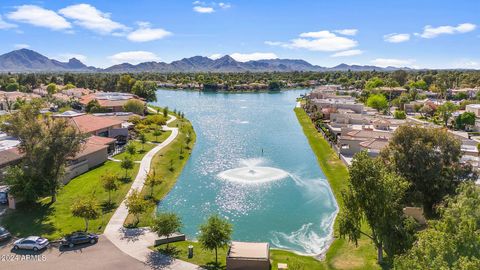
<point x="4" y="234"/>
<point x="32" y="242"/>
<point x="79" y="238"/>
<point x="4" y="194"/>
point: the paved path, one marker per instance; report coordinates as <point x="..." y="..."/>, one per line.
<point x="135" y="242"/>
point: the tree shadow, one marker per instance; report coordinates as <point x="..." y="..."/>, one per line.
<point x="171" y="251"/>
<point x="29" y="219"/>
<point x="125" y="180"/>
<point x="214" y="266"/>
<point x="107" y="206"/>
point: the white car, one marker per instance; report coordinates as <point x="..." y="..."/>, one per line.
<point x="32" y="242"/>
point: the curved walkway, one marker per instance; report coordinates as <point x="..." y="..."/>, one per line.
<point x="135" y="242"/>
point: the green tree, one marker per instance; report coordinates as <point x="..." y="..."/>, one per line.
<point x="157" y="133"/>
<point x="12" y="87"/>
<point x="143" y="140"/>
<point x="373" y="195"/>
<point x="429" y="158"/>
<point x="399" y="114"/>
<point x="374" y="83"/>
<point x="146" y="90"/>
<point x="166" y="224"/>
<point x="109" y="183"/>
<point x="215" y="233"/>
<point x="136" y="205"/>
<point x="152" y="181"/>
<point x="275" y="85"/>
<point x="165" y="112"/>
<point x="445" y="111"/>
<point x="378" y="102"/>
<point x="131" y="149"/>
<point x="93" y="106"/>
<point x="69" y="86"/>
<point x="451" y="242"/>
<point x="135" y="106"/>
<point x="127" y="164"/>
<point x="465" y="119"/>
<point x="125" y="83"/>
<point x="51" y="88"/>
<point x="85" y="208"/>
<point x="46" y="143"/>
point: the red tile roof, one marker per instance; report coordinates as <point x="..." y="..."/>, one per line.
<point x="94" y="144"/>
<point x="10" y="156"/>
<point x="88" y="123"/>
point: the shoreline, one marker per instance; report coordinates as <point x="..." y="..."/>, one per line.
<point x="235" y="91"/>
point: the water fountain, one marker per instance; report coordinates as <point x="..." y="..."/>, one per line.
<point x="251" y="172"/>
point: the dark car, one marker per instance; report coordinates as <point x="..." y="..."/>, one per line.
<point x="77" y="238"/>
<point x="4" y="234"/>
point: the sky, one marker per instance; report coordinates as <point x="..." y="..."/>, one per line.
<point x="411" y="33"/>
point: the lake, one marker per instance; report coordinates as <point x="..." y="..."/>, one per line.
<point x="252" y="165"/>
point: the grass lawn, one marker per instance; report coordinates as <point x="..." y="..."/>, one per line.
<point x="55" y="220"/>
<point x="159" y="139"/>
<point x="168" y="164"/>
<point x="204" y="258"/>
<point x="342" y="254"/>
<point x="139" y="153"/>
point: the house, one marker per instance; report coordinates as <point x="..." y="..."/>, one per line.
<point x="8" y="99"/>
<point x="475" y="108"/>
<point x="340" y="103"/>
<point x="248" y="256"/>
<point x="96" y="125"/>
<point x="368" y="139"/>
<point x="110" y="101"/>
<point x="94" y="152"/>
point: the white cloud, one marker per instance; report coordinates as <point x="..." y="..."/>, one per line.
<point x="145" y="33"/>
<point x="432" y="32"/>
<point x="39" y="16"/>
<point x="64" y="57"/>
<point x="224" y="5"/>
<point x="6" y="25"/>
<point x="467" y="63"/>
<point x="324" y="41"/>
<point x="200" y="9"/>
<point x="347" y="32"/>
<point x="215" y="56"/>
<point x="347" y="53"/>
<point x="133" y="57"/>
<point x="390" y="62"/>
<point x="245" y="57"/>
<point x="21" y="46"/>
<point x="91" y="18"/>
<point x="396" y="38"/>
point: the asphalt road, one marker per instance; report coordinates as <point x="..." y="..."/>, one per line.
<point x="103" y="255"/>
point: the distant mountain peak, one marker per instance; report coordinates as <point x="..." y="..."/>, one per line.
<point x="26" y="60"/>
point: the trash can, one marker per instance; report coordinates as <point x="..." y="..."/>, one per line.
<point x="190" y="251"/>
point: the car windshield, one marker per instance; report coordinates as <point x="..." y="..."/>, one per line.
<point x="2" y="230"/>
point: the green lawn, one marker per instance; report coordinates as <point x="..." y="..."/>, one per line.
<point x="139" y="153"/>
<point x="168" y="164"/>
<point x="55" y="220"/>
<point x="342" y="254"/>
<point x="204" y="258"/>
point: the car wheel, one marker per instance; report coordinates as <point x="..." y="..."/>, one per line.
<point x="15" y="247"/>
<point x="93" y="241"/>
<point x="35" y="249"/>
<point x="70" y="245"/>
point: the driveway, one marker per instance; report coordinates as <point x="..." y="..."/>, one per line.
<point x="103" y="255"/>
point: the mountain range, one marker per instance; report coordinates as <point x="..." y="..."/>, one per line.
<point x="25" y="60"/>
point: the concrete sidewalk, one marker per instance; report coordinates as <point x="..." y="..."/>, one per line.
<point x="135" y="242"/>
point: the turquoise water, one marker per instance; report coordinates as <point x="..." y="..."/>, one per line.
<point x="258" y="135"/>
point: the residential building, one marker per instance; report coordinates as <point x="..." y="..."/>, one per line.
<point x="110" y="101"/>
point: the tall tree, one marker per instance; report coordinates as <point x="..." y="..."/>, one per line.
<point x="373" y="195"/>
<point x="166" y="224"/>
<point x="46" y="144"/>
<point x="215" y="233"/>
<point x="429" y="158"/>
<point x="378" y="102"/>
<point x="451" y="242"/>
<point x="446" y="110"/>
<point x="136" y="205"/>
<point x="126" y="164"/>
<point x="85" y="208"/>
<point x="109" y="183"/>
<point x="152" y="181"/>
